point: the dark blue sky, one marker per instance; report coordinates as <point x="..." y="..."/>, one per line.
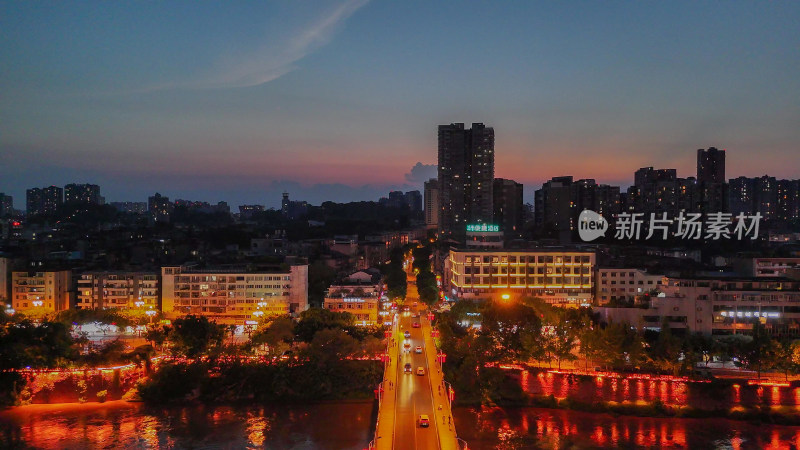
<point x="238" y="101"/>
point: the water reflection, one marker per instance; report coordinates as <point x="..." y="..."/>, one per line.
<point x="126" y="425"/>
<point x="522" y="428"/>
<point x="350" y="426"/>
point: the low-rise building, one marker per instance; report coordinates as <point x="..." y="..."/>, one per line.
<point x="718" y="306"/>
<point x="766" y="267"/>
<point x="123" y="290"/>
<point x="620" y="286"/>
<point x="360" y="294"/>
<point x="233" y="296"/>
<point x="40" y="291"/>
<point x="562" y="277"/>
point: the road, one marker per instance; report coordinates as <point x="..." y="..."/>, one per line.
<point x="414" y="394"/>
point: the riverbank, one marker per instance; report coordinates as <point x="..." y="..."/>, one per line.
<point x="242" y="382"/>
<point x="646" y="395"/>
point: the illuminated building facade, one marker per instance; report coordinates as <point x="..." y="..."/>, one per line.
<point x="484" y="236"/>
<point x="233" y="296"/>
<point x="718" y="307"/>
<point x="41" y="291"/>
<point x="126" y="290"/>
<point x="624" y="285"/>
<point x="556" y="276"/>
<point x="360" y="294"/>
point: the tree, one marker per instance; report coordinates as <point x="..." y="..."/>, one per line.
<point x="666" y="352"/>
<point x="590" y="343"/>
<point x="785" y="352"/>
<point x="157" y="334"/>
<point x="514" y="330"/>
<point x="277" y="336"/>
<point x="562" y="342"/>
<point x="761" y="351"/>
<point x="193" y="336"/>
<point x="313" y="320"/>
<point x="330" y="346"/>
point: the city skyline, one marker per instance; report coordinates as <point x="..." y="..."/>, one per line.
<point x="242" y="104"/>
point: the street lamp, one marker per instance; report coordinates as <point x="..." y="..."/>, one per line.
<point x="152" y="313"/>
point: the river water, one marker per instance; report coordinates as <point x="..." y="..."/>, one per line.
<point x="349" y="426"/>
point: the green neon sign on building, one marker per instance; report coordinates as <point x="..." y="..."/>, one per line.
<point x="479" y="227"/>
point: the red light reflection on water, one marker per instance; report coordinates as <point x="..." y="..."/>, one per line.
<point x="558" y="428"/>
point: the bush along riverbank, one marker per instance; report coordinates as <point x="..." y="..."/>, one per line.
<point x="779" y="415"/>
<point x="636" y="395"/>
<point x="243" y="381"/>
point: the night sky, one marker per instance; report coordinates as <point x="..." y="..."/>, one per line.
<point x="238" y="101"/>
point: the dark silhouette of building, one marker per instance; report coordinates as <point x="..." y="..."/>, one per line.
<point x="560" y="201"/>
<point x="413" y="199"/>
<point x="43" y="201"/>
<point x="508" y="209"/>
<point x="432" y="203"/>
<point x="712" y="195"/>
<point x="789" y="199"/>
<point x="742" y="195"/>
<point x="466" y="177"/>
<point x="772" y="198"/>
<point x="83" y="193"/>
<point x="6" y="205"/>
<point x="247" y="212"/>
<point x="293" y="209"/>
<point x="159" y="207"/>
<point x="130" y="207"/>
<point x="711" y="166"/>
<point x="654" y="191"/>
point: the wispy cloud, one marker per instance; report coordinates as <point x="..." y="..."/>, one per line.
<point x="273" y="59"/>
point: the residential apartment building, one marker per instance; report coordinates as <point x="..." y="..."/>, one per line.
<point x="43" y="200"/>
<point x="508" y="212"/>
<point x="772" y="198"/>
<point x="562" y="277"/>
<point x="6" y="205"/>
<point x="159" y="207"/>
<point x="233" y="296"/>
<point x="623" y="286"/>
<point x="431" y="194"/>
<point x="560" y="201"/>
<point x="83" y="193"/>
<point x="718" y="306"/>
<point x="466" y="177"/>
<point x="41" y="291"/>
<point x="124" y="290"/>
<point x="767" y="267"/>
